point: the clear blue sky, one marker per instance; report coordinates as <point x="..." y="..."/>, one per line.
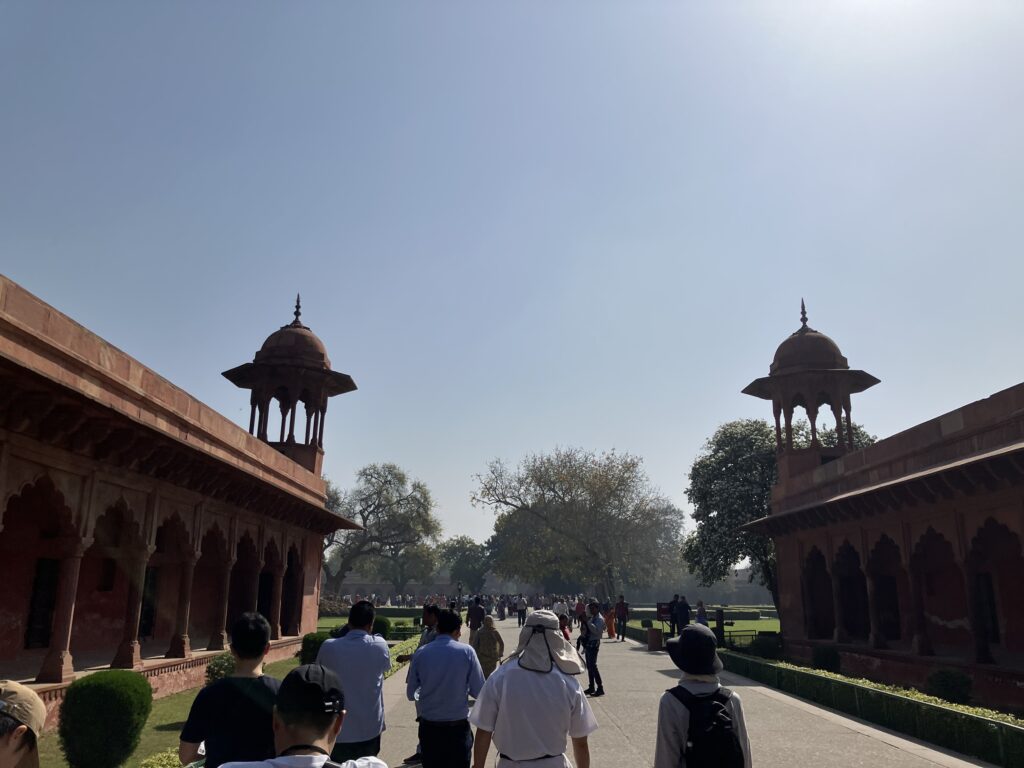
<point x="524" y="225"/>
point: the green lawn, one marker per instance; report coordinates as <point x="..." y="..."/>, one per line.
<point x="327" y="623"/>
<point x="760" y="625"/>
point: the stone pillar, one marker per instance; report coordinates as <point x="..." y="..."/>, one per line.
<point x="275" y="604"/>
<point x="876" y="638"/>
<point x="57" y="666"/>
<point x="980" y="651"/>
<point x="180" y="647"/>
<point x="839" y="633"/>
<point x="219" y="638"/>
<point x="129" y="652"/>
<point x="920" y="644"/>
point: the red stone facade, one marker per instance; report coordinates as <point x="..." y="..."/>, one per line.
<point x="907" y="554"/>
<point x="135" y="522"/>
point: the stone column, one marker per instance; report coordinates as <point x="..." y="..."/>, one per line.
<point x="839" y="634"/>
<point x="57" y="665"/>
<point x="275" y="604"/>
<point x="219" y="638"/>
<point x="920" y="644"/>
<point x="180" y="647"/>
<point x="876" y="638"/>
<point x="129" y="652"/>
<point x="980" y="651"/>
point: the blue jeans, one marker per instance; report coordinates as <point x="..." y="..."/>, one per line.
<point x="620" y="628"/>
<point x="591" y="649"/>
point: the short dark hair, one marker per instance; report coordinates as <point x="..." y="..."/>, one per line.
<point x="361" y="614"/>
<point x="249" y="635"/>
<point x="433" y="609"/>
<point x="9" y="724"/>
<point x="476" y="600"/>
<point x="448" y="622"/>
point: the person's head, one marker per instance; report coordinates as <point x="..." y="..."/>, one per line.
<point x="361" y="615"/>
<point x="250" y="637"/>
<point x="489" y="622"/>
<point x="476" y="601"/>
<point x="563" y="620"/>
<point x="675" y="597"/>
<point x="430" y="614"/>
<point x="695" y="651"/>
<point x="700" y="603"/>
<point x="622" y="598"/>
<point x="449" y="623"/>
<point x="22" y="716"/>
<point x="683" y="598"/>
<point x="594" y="608"/>
<point x="309" y="708"/>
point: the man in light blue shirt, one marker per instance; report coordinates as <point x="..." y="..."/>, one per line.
<point x="360" y="660"/>
<point x="442" y="676"/>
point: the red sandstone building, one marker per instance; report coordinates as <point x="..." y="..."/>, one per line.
<point x="135" y="522"/>
<point x="906" y="554"/>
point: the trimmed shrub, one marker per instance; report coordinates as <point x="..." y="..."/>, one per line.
<point x="220" y="666"/>
<point x="647" y="624"/>
<point x="950" y="685"/>
<point x="166" y="759"/>
<point x="382" y="626"/>
<point x="766" y="646"/>
<point x="311" y="646"/>
<point x="826" y="657"/>
<point x="102" y="718"/>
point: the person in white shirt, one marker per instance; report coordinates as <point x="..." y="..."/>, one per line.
<point x="308" y="715"/>
<point x="533" y="704"/>
<point x="360" y="660"/>
<point x="698" y="694"/>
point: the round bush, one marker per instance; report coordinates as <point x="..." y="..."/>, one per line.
<point x="220" y="666"/>
<point x="102" y="718"/>
<point x="311" y="646"/>
<point x="949" y="684"/>
<point x="826" y="657"/>
<point x="166" y="759"/>
<point x="382" y="626"/>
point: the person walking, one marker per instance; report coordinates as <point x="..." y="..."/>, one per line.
<point x="489" y="646"/>
<point x="621" y="618"/>
<point x="702" y="613"/>
<point x="22" y="716"/>
<point x="430" y="614"/>
<point x="533" y="704"/>
<point x="682" y="613"/>
<point x="521" y="609"/>
<point x="700" y="700"/>
<point x="233" y="716"/>
<point x="360" y="660"/>
<point x="308" y="716"/>
<point x="673" y="614"/>
<point x="475" y="618"/>
<point x="592" y="630"/>
<point x="442" y="675"/>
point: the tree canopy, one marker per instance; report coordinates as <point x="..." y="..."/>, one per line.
<point x="396" y="515"/>
<point x="579" y="516"/>
<point x="467" y="561"/>
<point x="730" y="485"/>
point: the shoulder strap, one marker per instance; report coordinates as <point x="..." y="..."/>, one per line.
<point x="688" y="699"/>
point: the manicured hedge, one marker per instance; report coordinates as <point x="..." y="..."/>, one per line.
<point x="986" y="734"/>
<point x="102" y="717"/>
<point x="219" y="667"/>
<point x="311" y="646"/>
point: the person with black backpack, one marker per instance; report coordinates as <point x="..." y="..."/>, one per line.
<point x="700" y="721"/>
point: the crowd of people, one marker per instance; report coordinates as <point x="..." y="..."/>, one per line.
<point x="530" y="705"/>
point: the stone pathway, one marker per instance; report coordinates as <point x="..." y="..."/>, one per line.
<point x="785" y="732"/>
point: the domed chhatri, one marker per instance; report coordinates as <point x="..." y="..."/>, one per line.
<point x="810" y="371"/>
<point x="292" y="367"/>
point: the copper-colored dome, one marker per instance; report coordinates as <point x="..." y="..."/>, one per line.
<point x="807" y="350"/>
<point x="294" y="344"/>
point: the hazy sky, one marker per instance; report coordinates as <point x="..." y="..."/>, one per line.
<point x="521" y="225"/>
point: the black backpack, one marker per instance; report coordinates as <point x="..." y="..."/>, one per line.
<point x="711" y="741"/>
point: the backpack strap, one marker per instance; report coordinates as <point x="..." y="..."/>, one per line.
<point x="688" y="699"/>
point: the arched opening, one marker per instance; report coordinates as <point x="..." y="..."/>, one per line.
<point x="164" y="578"/>
<point x="888" y="590"/>
<point x="103" y="584"/>
<point x="269" y="593"/>
<point x="242" y="592"/>
<point x="291" y="594"/>
<point x="206" y="610"/>
<point x="852" y="591"/>
<point x="943" y="596"/>
<point x="819" y="615"/>
<point x="994" y="568"/>
<point x="38" y="533"/>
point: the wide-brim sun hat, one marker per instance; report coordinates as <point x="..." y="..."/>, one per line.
<point x="542" y="645"/>
<point x="695" y="650"/>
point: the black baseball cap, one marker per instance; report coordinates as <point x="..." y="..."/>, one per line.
<point x="310" y="689"/>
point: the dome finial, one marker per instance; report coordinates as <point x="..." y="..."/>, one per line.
<point x="298" y="308"/>
<point x="803" y="313"/>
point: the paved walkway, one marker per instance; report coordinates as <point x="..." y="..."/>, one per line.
<point x="785" y="732"/>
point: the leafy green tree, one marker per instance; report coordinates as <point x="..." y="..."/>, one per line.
<point x="730" y="485"/>
<point x="394" y="512"/>
<point x="467" y="561"/>
<point x="400" y="563"/>
<point x="578" y="516"/>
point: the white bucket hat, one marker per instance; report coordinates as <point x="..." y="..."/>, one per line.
<point x="542" y="645"/>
